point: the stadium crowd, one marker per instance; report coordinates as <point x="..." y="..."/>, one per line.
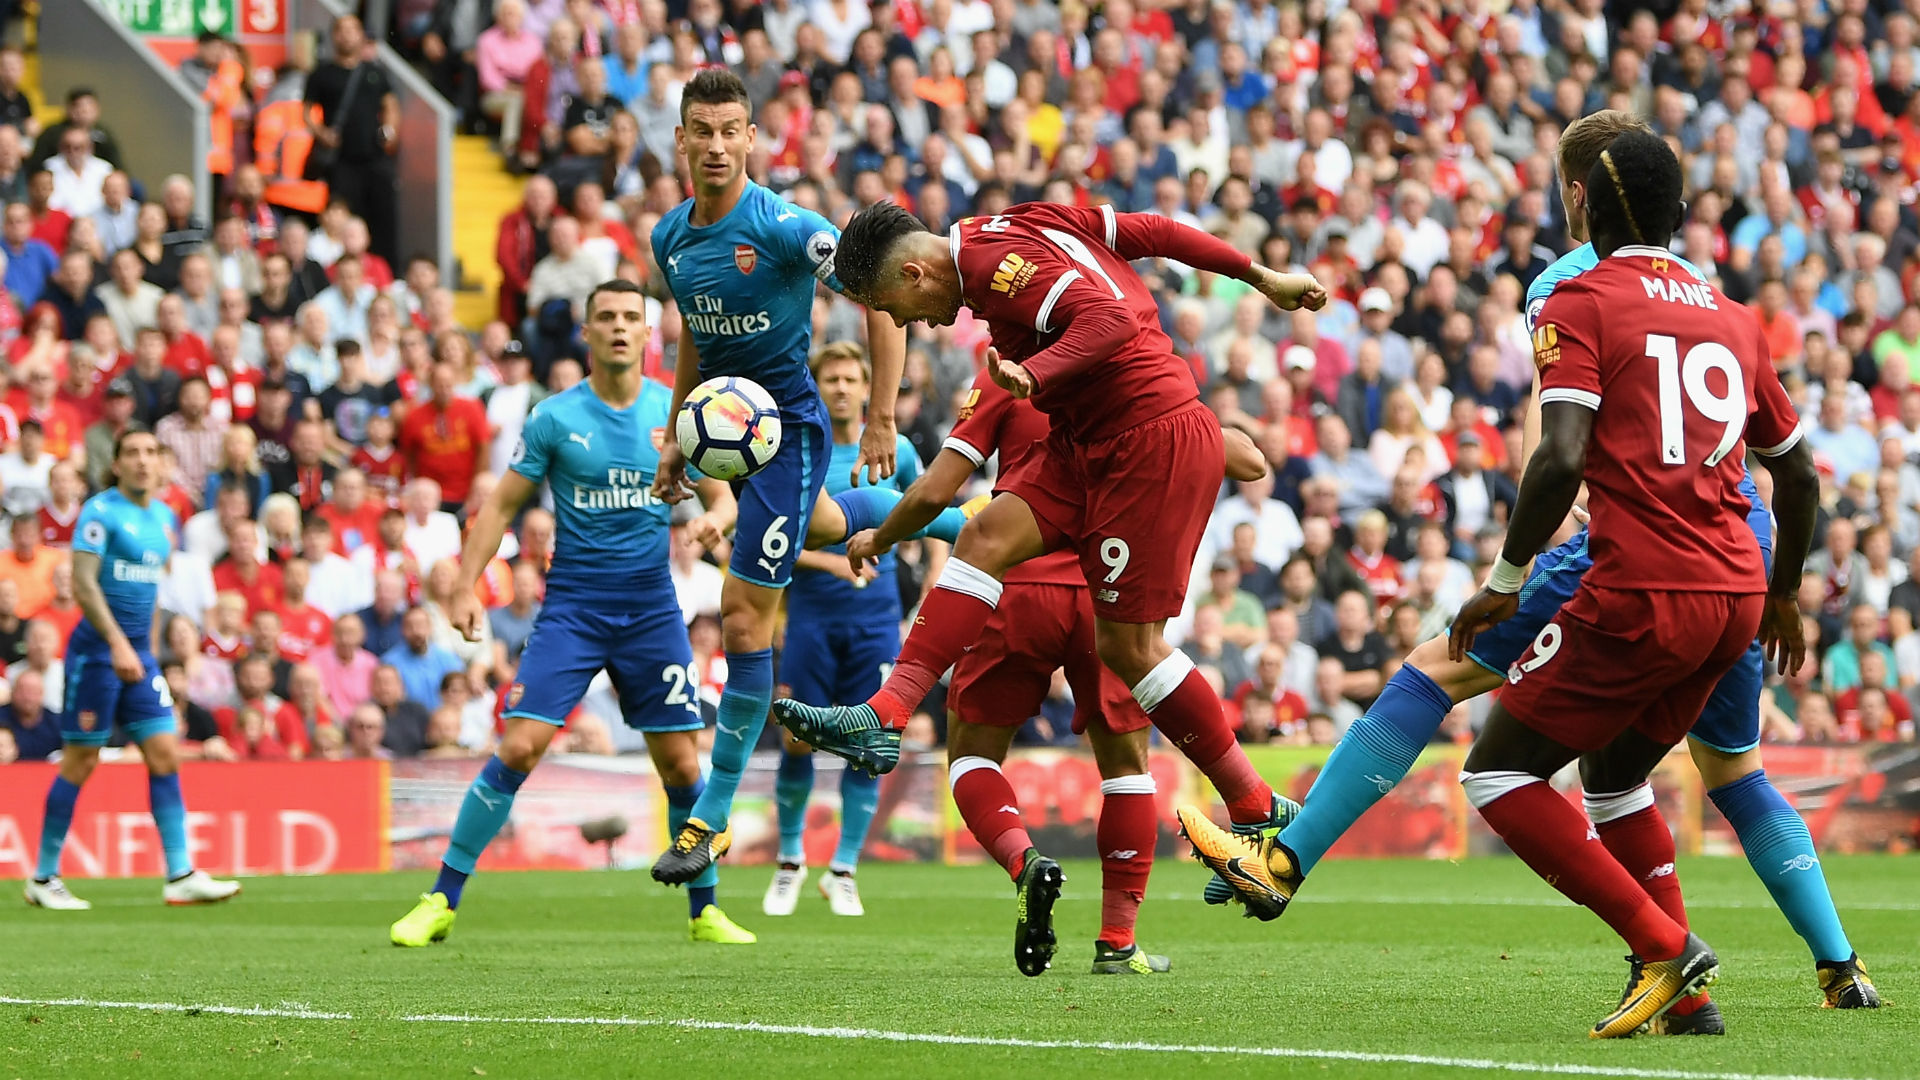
<point x="330" y="423"/>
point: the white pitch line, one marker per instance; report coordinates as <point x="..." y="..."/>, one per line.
<point x="880" y="1035"/>
<point x="172" y="1007"/>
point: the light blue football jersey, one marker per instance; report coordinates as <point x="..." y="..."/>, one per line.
<point x="134" y="543"/>
<point x="745" y="286"/>
<point x="817" y="594"/>
<point x="610" y="531"/>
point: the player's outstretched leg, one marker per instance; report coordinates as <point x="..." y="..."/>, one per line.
<point x="792" y="786"/>
<point x="185" y="885"/>
<point x="483" y="812"/>
<point x="1186" y="710"/>
<point x="859" y="798"/>
<point x="1781" y="851"/>
<point x="1374" y="755"/>
<point x="45" y="889"/>
<point x="866" y="507"/>
<point x="952" y="617"/>
<point x="1126" y="833"/>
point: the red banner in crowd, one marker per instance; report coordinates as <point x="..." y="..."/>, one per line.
<point x="319" y="817"/>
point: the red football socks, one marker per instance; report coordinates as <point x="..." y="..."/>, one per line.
<point x="992" y="814"/>
<point x="1187" y="711"/>
<point x="1642" y="843"/>
<point x="953" y="616"/>
<point x="1552" y="837"/>
<point x="1126" y="834"/>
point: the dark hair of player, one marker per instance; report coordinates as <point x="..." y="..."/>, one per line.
<point x="868" y="240"/>
<point x="714" y="86"/>
<point x="1633" y="192"/>
<point x="120" y="440"/>
<point x="615" y="285"/>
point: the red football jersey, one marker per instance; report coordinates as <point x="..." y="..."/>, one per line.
<point x="1054" y="284"/>
<point x="56" y="530"/>
<point x="993" y="421"/>
<point x="1679" y="377"/>
<point x="305" y="630"/>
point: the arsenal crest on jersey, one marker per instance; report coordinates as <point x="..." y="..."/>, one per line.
<point x="88" y="720"/>
<point x="745" y="257"/>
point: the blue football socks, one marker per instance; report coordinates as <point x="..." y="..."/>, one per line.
<point x="488" y="803"/>
<point x="743" y="713"/>
<point x="867" y="507"/>
<point x="859" y="797"/>
<point x="53" y="826"/>
<point x="1375" y="754"/>
<point x="681" y="803"/>
<point x="791" y="788"/>
<point x="170" y="820"/>
<point x="1781" y="850"/>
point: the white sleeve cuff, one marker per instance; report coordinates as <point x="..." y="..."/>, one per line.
<point x="966" y="450"/>
<point x="1576" y="397"/>
<point x="1793" y="440"/>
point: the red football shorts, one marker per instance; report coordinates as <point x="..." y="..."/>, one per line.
<point x="1133" y="508"/>
<point x="1002" y="680"/>
<point x="1615" y="659"/>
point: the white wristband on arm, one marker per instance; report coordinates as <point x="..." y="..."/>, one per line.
<point x="1506" y="578"/>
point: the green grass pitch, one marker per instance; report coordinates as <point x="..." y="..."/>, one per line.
<point x="1476" y="962"/>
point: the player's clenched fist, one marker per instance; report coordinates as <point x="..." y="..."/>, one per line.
<point x="467" y="615"/>
<point x="1008" y="375"/>
<point x="1290" y="291"/>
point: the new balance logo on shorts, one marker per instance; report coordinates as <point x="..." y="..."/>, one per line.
<point x="1014" y="810"/>
<point x="1123" y="853"/>
<point x="1663" y="870"/>
<point x="1107" y="596"/>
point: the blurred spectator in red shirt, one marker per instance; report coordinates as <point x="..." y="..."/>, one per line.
<point x="243" y="571"/>
<point x="354" y="517"/>
<point x="249" y="735"/>
<point x="521" y="243"/>
<point x="305" y="698"/>
<point x="304" y="629"/>
<point x="380" y="460"/>
<point x="253" y="683"/>
<point x="445" y="438"/>
<point x="226" y="634"/>
<point x="62" y="509"/>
